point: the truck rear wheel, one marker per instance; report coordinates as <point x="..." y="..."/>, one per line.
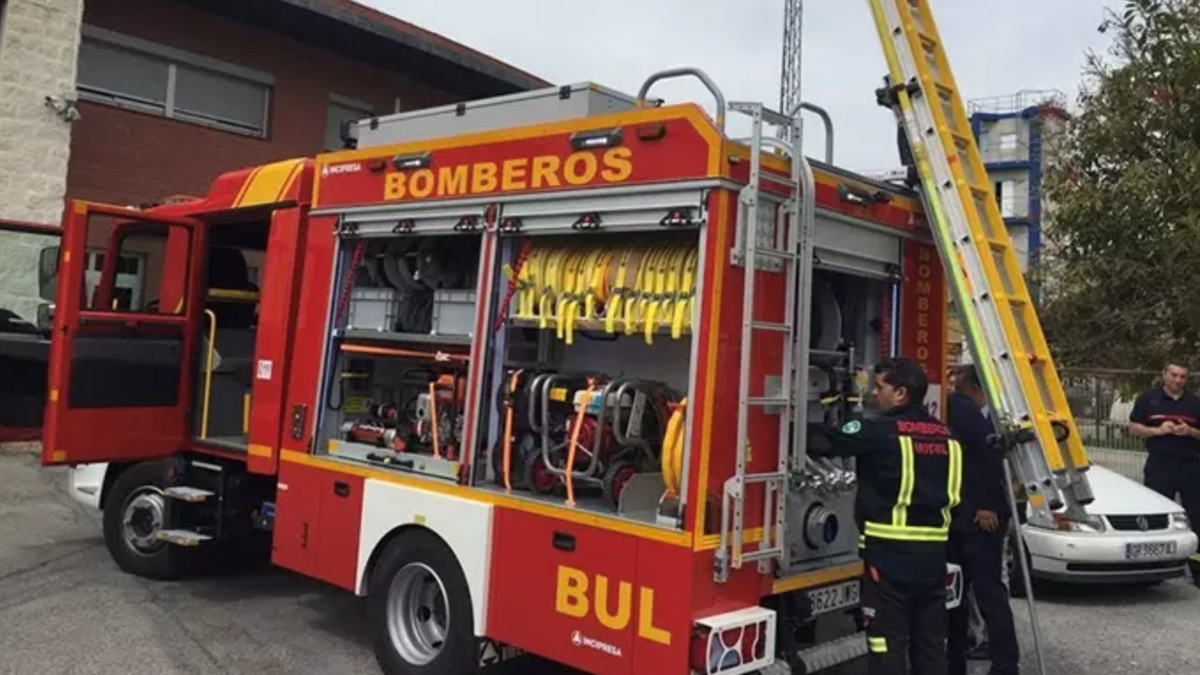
<point x="421" y="609"/>
<point x="134" y="511"/>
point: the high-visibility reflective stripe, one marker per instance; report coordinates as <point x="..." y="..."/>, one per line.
<point x="908" y="480"/>
<point x="953" y="481"/>
<point x="877" y="645"/>
<point x="906" y="533"/>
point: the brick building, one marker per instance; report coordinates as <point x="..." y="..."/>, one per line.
<point x="129" y="101"/>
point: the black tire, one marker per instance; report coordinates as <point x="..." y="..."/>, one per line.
<point x="521" y="447"/>
<point x="420" y="552"/>
<point x="135" y="489"/>
<point x="1016" y="578"/>
<point x="616" y="478"/>
<point x="536" y="478"/>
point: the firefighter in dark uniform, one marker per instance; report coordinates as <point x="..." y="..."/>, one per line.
<point x="909" y="469"/>
<point x="1168" y="417"/>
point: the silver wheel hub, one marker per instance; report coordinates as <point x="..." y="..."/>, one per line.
<point x="142" y="518"/>
<point x="418" y="616"/>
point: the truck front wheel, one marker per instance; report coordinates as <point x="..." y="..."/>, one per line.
<point x="421" y="609"/>
<point x="134" y="511"/>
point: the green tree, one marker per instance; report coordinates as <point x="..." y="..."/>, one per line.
<point x="1121" y="277"/>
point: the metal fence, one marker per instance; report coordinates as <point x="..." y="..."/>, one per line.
<point x="1019" y="101"/>
<point x="1101" y="401"/>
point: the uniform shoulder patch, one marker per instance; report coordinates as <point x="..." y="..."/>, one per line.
<point x="852" y="427"/>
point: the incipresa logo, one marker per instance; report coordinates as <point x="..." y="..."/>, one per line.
<point x="580" y="640"/>
<point x="336" y="169"/>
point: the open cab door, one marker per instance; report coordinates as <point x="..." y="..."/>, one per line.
<point x="124" y="336"/>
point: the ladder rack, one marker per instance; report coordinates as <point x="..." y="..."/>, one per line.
<point x="998" y="313"/>
<point x="758" y="249"/>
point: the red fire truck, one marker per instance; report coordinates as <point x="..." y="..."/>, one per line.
<point x="530" y="373"/>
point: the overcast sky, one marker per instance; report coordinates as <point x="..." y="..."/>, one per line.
<point x="995" y="48"/>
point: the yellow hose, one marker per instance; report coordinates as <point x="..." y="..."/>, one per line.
<point x="672" y="449"/>
<point x="639" y="288"/>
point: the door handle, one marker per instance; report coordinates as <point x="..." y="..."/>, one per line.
<point x="563" y="541"/>
<point x="341" y="488"/>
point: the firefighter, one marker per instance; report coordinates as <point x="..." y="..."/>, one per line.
<point x="979" y="531"/>
<point x="909" y="469"/>
<point x="1168" y="417"/>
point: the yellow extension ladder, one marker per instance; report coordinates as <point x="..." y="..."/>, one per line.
<point x="1002" y="327"/>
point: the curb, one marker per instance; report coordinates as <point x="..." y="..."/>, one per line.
<point x="21" y="448"/>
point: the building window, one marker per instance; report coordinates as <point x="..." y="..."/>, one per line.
<point x="132" y="73"/>
<point x="1006" y="198"/>
<point x="3" y="9"/>
<point x="342" y="110"/>
<point x="1008" y="141"/>
<point x="128" y="282"/>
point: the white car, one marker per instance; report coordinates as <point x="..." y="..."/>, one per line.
<point x="1134" y="536"/>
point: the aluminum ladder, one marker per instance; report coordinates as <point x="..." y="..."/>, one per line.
<point x="758" y="248"/>
<point x="998" y="314"/>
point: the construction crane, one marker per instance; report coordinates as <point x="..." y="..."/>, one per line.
<point x="793" y="25"/>
<point x="791" y="102"/>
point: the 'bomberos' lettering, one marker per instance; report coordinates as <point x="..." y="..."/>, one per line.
<point x="510" y="175"/>
<point x="921" y="428"/>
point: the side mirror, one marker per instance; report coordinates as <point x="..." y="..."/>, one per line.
<point x="45" y="316"/>
<point x="48" y="273"/>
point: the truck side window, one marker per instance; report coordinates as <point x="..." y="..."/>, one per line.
<point x="137" y="267"/>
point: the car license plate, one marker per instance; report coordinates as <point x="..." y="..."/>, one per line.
<point x="832" y="598"/>
<point x="1150" y="549"/>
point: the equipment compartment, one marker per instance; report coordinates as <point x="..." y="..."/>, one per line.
<point x="409" y="288"/>
<point x="399" y="409"/>
<point x="591" y="372"/>
<point x="403" y="313"/>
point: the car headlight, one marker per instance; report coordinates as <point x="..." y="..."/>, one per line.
<point x="1089" y="525"/>
<point x="1179" y="521"/>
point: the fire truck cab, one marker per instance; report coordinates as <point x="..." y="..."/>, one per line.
<point x="490" y="369"/>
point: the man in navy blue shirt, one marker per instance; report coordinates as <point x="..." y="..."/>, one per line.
<point x="1168" y="417"/>
<point x="978" y="532"/>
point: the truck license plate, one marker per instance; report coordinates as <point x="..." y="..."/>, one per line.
<point x="1154" y="549"/>
<point x="832" y="598"/>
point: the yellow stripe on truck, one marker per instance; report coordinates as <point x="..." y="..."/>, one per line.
<point x="268" y="183"/>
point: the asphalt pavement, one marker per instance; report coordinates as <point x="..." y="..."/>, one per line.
<point x="66" y="609"/>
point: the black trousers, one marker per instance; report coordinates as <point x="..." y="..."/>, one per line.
<point x="981" y="556"/>
<point x="906" y="621"/>
<point x="1169" y="476"/>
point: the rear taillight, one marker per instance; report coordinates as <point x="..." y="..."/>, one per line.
<point x="728" y="649"/>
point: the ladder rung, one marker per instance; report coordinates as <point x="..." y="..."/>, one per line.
<point x="761" y="554"/>
<point x="768" y="400"/>
<point x="182" y="537"/>
<point x="769" y="116"/>
<point x="771" y="326"/>
<point x="961" y="140"/>
<point x="774" y="253"/>
<point x="187" y="494"/>
<point x="764" y="477"/>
